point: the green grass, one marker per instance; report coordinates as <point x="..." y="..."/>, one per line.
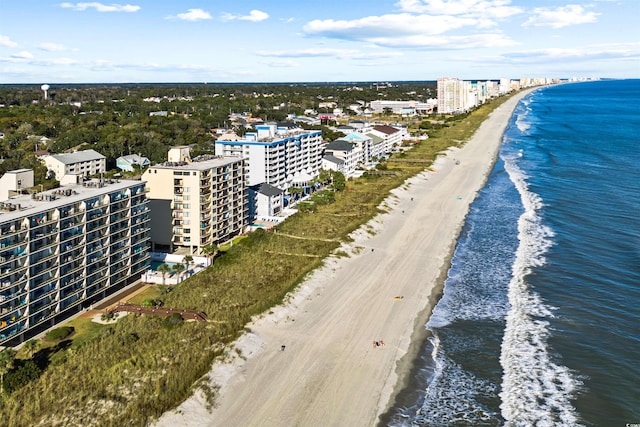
<point x="129" y="373"/>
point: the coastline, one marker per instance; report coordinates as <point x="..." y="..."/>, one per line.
<point x="331" y="372"/>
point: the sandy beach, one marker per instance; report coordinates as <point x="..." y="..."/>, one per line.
<point x="331" y="373"/>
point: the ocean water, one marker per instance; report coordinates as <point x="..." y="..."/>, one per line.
<point x="539" y="322"/>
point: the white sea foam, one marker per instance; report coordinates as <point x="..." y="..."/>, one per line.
<point x="535" y="390"/>
<point x="452" y="395"/>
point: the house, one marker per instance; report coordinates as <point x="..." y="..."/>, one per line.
<point x="127" y="163"/>
<point x="265" y="200"/>
<point x="86" y="163"/>
<point x="350" y="153"/>
<point x="331" y="162"/>
<point x="390" y="135"/>
<point x="365" y="142"/>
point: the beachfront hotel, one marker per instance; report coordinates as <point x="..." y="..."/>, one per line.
<point x="195" y="202"/>
<point x="282" y="155"/>
<point x="62" y="250"/>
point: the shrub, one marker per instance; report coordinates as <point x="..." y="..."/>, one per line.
<point x="173" y="320"/>
<point x="60" y="333"/>
<point x="151" y="302"/>
<point x="21" y="375"/>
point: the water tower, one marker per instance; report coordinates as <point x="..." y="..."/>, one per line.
<point x="45" y="88"/>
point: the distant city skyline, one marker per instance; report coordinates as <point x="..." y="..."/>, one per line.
<point x="329" y="41"/>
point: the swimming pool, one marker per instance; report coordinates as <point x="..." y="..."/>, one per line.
<point x="156" y="264"/>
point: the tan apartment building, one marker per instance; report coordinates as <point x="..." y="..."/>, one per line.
<point x="85" y="163"/>
<point x="195" y="202"/>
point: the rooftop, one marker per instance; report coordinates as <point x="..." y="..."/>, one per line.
<point x="26" y="204"/>
<point x="78" y="157"/>
<point x="199" y="163"/>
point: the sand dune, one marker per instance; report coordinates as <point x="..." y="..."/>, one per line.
<point x="331" y="373"/>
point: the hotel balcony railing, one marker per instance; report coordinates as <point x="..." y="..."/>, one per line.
<point x="11" y="275"/>
<point x="118" y="272"/>
<point x="70" y="300"/>
<point x="39" y="317"/>
<point x="72" y="268"/>
<point x="121" y="210"/>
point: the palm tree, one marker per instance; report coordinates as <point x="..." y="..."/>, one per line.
<point x="7" y="357"/>
<point x="178" y="268"/>
<point x="32" y="346"/>
<point x="187" y="260"/>
<point x="211" y="251"/>
<point x="164" y="269"/>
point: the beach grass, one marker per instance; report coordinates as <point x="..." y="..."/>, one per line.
<point x="131" y="372"/>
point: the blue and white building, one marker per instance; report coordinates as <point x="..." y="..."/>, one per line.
<point x="282" y="155"/>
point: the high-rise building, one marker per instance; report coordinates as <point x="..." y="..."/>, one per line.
<point x="452" y="95"/>
<point x="62" y="250"/>
<point x="282" y="155"/>
<point x="196" y="202"/>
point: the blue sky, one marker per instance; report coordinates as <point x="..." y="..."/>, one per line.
<point x="323" y="40"/>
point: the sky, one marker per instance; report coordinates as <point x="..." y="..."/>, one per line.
<point x="315" y="41"/>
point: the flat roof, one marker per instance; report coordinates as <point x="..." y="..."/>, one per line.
<point x="199" y="164"/>
<point x="59" y="197"/>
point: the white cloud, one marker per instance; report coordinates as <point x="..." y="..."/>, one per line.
<point x="60" y="61"/>
<point x="564" y="16"/>
<point x="596" y="52"/>
<point x="254" y="16"/>
<point x="469" y="41"/>
<point x="387" y="25"/>
<point x="328" y="52"/>
<point x="52" y="47"/>
<point x="192" y="15"/>
<point x="22" y="55"/>
<point x="6" y="42"/>
<point x="484" y="8"/>
<point x="284" y="63"/>
<point x="410" y="31"/>
<point x="99" y="7"/>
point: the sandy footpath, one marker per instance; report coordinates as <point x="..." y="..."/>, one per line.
<point x="331" y="373"/>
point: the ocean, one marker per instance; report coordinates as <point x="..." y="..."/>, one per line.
<point x="539" y="321"/>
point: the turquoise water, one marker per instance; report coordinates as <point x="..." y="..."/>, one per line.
<point x="156" y="264"/>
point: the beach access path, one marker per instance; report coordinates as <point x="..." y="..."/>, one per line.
<point x="331" y="373"/>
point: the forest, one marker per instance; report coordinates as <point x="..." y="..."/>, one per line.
<point x="116" y="120"/>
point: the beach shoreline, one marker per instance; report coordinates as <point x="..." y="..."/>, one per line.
<point x="333" y="370"/>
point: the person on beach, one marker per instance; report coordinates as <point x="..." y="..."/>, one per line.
<point x="282" y="348"/>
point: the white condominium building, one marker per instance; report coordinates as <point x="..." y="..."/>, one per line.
<point x="282" y="155"/>
<point x="390" y="135"/>
<point x="453" y="95"/>
<point x="85" y="163"/>
<point x="64" y="249"/>
<point x="196" y="202"/>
